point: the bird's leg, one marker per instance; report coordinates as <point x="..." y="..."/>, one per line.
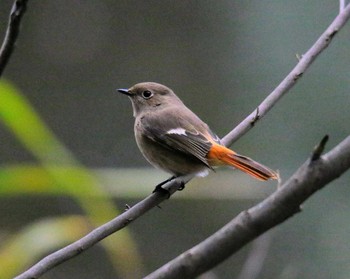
<point x="164" y="182"/>
<point x="160" y="189"/>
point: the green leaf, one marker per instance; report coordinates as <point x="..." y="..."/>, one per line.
<point x="23" y="121"/>
<point x="18" y="250"/>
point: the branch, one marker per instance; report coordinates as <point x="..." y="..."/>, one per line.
<point x="155" y="199"/>
<point x="8" y="45"/>
<point x="306" y="60"/>
<point x="281" y="205"/>
<point x="93" y="237"/>
<point x="342" y="4"/>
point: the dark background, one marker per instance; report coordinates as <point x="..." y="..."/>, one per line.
<point x="222" y="58"/>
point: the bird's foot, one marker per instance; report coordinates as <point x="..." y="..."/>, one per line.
<point x="182" y="186"/>
<point x="161" y="190"/>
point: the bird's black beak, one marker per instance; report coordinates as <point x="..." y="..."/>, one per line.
<point x="124" y="91"/>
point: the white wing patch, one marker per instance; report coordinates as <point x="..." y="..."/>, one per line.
<point x="177" y="131"/>
<point x="202" y="173"/>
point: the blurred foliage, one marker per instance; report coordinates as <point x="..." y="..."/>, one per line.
<point x="79" y="184"/>
<point x="18" y="250"/>
<point x="32" y="179"/>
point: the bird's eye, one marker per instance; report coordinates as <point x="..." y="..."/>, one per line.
<point x="147" y="94"/>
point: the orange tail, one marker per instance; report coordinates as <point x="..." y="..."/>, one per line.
<point x="220" y="155"/>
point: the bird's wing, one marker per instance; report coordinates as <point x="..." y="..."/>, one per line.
<point x="179" y="134"/>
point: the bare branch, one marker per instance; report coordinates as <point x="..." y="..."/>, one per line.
<point x="277" y="208"/>
<point x="8" y="45"/>
<point x="318" y="150"/>
<point x="342" y="4"/>
<point x="155" y="199"/>
<point x="304" y="63"/>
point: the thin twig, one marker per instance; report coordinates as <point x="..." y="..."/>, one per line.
<point x="275" y="209"/>
<point x="290" y="80"/>
<point x="256" y="117"/>
<point x="95" y="236"/>
<point x="8" y="45"/>
<point x="342" y="4"/>
<point x="318" y="150"/>
<point x="155" y="199"/>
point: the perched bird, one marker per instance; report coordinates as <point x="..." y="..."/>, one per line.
<point x="172" y="138"/>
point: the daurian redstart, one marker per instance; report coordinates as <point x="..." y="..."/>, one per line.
<point x="171" y="137"/>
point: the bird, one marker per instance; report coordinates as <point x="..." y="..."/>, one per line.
<point x="173" y="138"/>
